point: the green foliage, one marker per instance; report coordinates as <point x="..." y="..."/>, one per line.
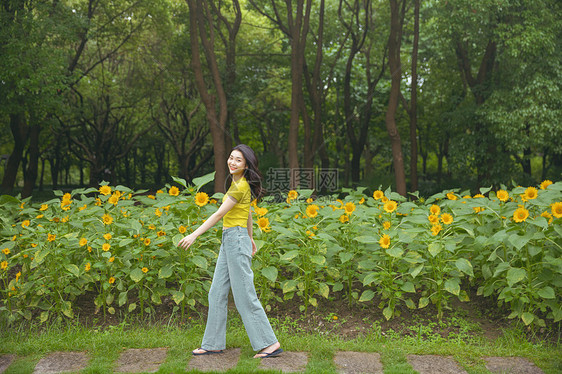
<point x="121" y="246"/>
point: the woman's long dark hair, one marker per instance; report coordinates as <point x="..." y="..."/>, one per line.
<point x="252" y="172"/>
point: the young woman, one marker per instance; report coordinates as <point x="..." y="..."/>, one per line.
<point x="233" y="269"/>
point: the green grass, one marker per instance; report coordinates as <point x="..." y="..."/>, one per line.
<point x="31" y="342"/>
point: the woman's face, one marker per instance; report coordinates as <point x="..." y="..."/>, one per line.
<point x="236" y="163"/>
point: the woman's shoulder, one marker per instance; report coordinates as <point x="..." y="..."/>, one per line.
<point x="242" y="184"/>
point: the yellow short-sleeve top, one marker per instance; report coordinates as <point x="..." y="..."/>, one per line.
<point x="238" y="215"/>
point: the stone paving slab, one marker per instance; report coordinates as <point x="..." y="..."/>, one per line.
<point x="141" y="360"/>
<point x="6" y="361"/>
<point x="216" y="362"/>
<point x="511" y="365"/>
<point x="358" y="363"/>
<point x="433" y="364"/>
<point x="286" y="362"/>
<point x="62" y="362"/>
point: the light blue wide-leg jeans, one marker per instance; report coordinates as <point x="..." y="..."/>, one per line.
<point x="234" y="271"/>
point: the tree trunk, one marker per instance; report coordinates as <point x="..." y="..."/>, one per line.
<point x="414" y="102"/>
<point x="217" y="121"/>
<point x="298" y="30"/>
<point x="33" y="165"/>
<point x="526" y="161"/>
<point x="394" y="43"/>
<point x="20" y="132"/>
<point x="479" y="86"/>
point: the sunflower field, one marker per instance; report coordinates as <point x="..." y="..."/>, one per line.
<point x="118" y="248"/>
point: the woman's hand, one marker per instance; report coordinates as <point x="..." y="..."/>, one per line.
<point x="254" y="247"/>
<point x="187" y="241"/>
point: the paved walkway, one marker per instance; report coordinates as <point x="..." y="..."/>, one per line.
<point x="149" y="361"/>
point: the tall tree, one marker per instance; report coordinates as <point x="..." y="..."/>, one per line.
<point x="412" y="106"/>
<point x="295" y="25"/>
<point x="318" y="78"/>
<point x="358" y="20"/>
<point x="32" y="71"/>
<point x="202" y="30"/>
<point x="397" y="12"/>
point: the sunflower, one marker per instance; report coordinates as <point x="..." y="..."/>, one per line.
<point x="349" y="208"/>
<point x="201" y="199"/>
<point x="145" y="270"/>
<point x="263" y="224"/>
<point x="433" y="218"/>
<point x="157" y="212"/>
<point x="4" y="265"/>
<point x="362" y="200"/>
<point x="446" y="218"/>
<point x="174" y="191"/>
<point x="292" y="195"/>
<point x="51" y="237"/>
<point x="106" y="247"/>
<point x="451" y="196"/>
<point x="344" y="218"/>
<point x="88" y="266"/>
<point x="386" y="225"/>
<point x="44" y="207"/>
<point x="479" y="196"/>
<point x="111" y="280"/>
<point x="312" y="210"/>
<point x="557" y="209"/>
<point x="25" y="223"/>
<point x="146" y="241"/>
<point x="390" y="206"/>
<point x="107" y="236"/>
<point x="435" y="209"/>
<point x="435" y="229"/>
<point x="6" y="251"/>
<point x="111" y="259"/>
<point x="182" y="229"/>
<point x="378" y="194"/>
<point x="530" y="193"/>
<point x="545" y="184"/>
<point x="83" y="242"/>
<point x="260" y="211"/>
<point x="107" y="219"/>
<point x="113" y="199"/>
<point x="520" y="215"/>
<point x="105" y="190"/>
<point x="161" y="233"/>
<point x="502" y="195"/>
<point x="384" y="241"/>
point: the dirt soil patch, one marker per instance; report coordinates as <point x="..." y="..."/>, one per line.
<point x="215" y="362"/>
<point x="432" y="364"/>
<point x="141" y="360"/>
<point x="287" y="362"/>
<point x="338" y="317"/>
<point x="358" y="362"/>
<point x="511" y="365"/>
<point x="62" y="362"/>
<point x="5" y="361"/>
